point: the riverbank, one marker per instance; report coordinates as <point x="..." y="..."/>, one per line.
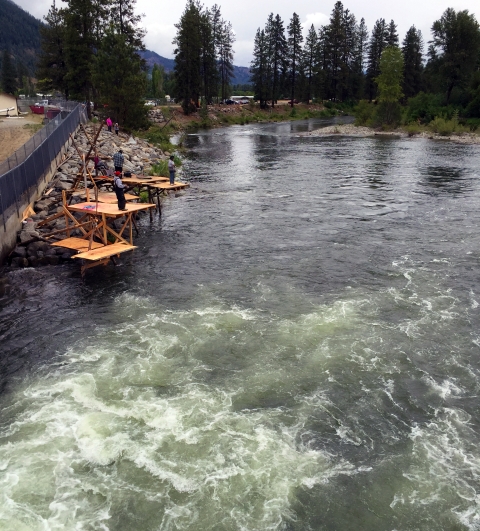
<point x="170" y="120"/>
<point x="362" y="131"/>
<point x="33" y="249"/>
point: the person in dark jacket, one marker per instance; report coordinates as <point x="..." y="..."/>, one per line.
<point x="119" y="188"/>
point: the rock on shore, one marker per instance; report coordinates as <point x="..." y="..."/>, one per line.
<point x="360" y="131"/>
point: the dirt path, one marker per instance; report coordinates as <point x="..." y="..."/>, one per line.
<point x="13" y="134"/>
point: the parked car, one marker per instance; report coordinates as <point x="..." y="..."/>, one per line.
<point x="290" y="101"/>
<point x="230" y="102"/>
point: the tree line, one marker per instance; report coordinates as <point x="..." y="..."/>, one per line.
<point x="90" y="53"/>
<point x="341" y="61"/>
<point x="203" y="56"/>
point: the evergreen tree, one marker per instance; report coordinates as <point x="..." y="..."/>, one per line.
<point x="294" y="53"/>
<point x="358" y="62"/>
<point x="125" y="22"/>
<point x="119" y="78"/>
<point x="412" y="50"/>
<point x="209" y="72"/>
<point x="310" y="62"/>
<point x="52" y="67"/>
<point x="225" y="41"/>
<point x="158" y="74"/>
<point x="277" y="53"/>
<point x="85" y="21"/>
<point x="188" y="51"/>
<point x="392" y="35"/>
<point x="260" y="68"/>
<point x="378" y="43"/>
<point x="8" y="77"/>
<point x="455" y="48"/>
<point x="340" y="38"/>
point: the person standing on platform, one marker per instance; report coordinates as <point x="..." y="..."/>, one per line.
<point x="172" y="169"/>
<point x="109" y="124"/>
<point x="118" y="160"/>
<point x="116" y="128"/>
<point x="119" y="188"/>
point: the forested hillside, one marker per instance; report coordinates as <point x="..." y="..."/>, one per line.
<point x="19" y="33"/>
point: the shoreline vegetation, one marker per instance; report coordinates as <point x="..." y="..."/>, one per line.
<point x="175" y="122"/>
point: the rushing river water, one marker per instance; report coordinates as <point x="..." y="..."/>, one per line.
<point x="294" y="346"/>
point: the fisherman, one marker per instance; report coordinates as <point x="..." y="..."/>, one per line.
<point x="118" y="160"/>
<point x="172" y="169"/>
<point x="100" y="166"/>
<point x="119" y="189"/>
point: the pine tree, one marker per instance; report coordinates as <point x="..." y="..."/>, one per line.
<point x="209" y="72"/>
<point x="260" y="68"/>
<point x="158" y="74"/>
<point x="125" y="21"/>
<point x="8" y="77"/>
<point x="455" y="48"/>
<point x="310" y="62"/>
<point x="294" y="53"/>
<point x="412" y="49"/>
<point x="119" y="78"/>
<point x="52" y="67"/>
<point x="358" y="61"/>
<point x="188" y="41"/>
<point x="334" y="37"/>
<point x="392" y="35"/>
<point x="225" y="41"/>
<point x="277" y="53"/>
<point x="85" y="21"/>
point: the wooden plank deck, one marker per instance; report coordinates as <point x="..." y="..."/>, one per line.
<point x="105" y="251"/>
<point x="98" y="209"/>
<point x="167" y="186"/>
<point x="77" y="244"/>
<point x="111" y="198"/>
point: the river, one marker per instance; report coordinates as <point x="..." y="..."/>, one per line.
<point x="293" y="346"/>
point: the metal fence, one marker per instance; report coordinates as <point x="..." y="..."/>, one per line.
<point x="20" y="174"/>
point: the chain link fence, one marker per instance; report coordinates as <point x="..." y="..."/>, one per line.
<point x="20" y="174"/>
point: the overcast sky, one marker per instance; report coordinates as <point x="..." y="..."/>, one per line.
<point x="248" y="15"/>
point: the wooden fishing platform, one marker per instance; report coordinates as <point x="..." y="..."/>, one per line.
<point x="95" y="237"/>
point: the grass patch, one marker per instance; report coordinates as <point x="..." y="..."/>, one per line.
<point x="159" y="137"/>
<point x="160" y="169"/>
<point x="33" y="128"/>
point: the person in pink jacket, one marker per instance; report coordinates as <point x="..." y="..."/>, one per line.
<point x="109" y="124"/>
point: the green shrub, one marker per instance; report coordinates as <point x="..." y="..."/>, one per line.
<point x="363" y="112"/>
<point x="423" y="107"/>
<point x="413" y="129"/>
<point x="445" y="127"/>
<point x="143" y="197"/>
<point x="160" y="168"/>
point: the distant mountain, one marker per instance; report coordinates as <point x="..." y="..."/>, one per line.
<point x="241" y="73"/>
<point x="20" y="34"/>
